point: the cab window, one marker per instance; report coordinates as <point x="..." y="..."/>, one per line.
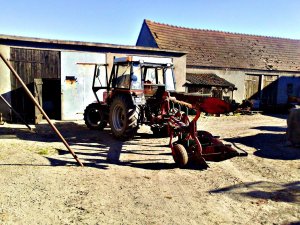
<point x="169" y="79"/>
<point x="123" y="76"/>
<point x="136" y="77"/>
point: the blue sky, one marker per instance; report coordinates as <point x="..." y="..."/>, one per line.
<point x="119" y="22"/>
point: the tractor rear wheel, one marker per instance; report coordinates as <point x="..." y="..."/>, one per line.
<point x="180" y="155"/>
<point x="123" y="118"/>
<point x="94" y="117"/>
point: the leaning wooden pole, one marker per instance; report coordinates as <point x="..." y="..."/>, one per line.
<point x="41" y="109"/>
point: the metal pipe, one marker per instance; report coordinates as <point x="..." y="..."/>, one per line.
<point x="41" y="110"/>
<point x="15" y="112"/>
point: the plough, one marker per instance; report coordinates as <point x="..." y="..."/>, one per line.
<point x="194" y="145"/>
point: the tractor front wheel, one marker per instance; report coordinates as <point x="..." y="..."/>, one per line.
<point x="180" y="155"/>
<point x="94" y="117"/>
<point x="123" y="118"/>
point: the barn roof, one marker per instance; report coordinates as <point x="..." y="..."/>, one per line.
<point x="207" y="79"/>
<point x="209" y="48"/>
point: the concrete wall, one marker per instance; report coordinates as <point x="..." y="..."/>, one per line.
<point x="110" y="60"/>
<point x="237" y="77"/>
<point x="76" y="93"/>
<point x="5" y="83"/>
<point x="180" y="72"/>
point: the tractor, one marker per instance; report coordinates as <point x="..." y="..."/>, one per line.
<point x="141" y="90"/>
<point x="130" y="96"/>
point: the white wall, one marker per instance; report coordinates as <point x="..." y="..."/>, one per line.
<point x="180" y="72"/>
<point x="5" y="83"/>
<point x="78" y="94"/>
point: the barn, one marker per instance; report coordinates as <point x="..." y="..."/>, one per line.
<point x="59" y="74"/>
<point x="263" y="69"/>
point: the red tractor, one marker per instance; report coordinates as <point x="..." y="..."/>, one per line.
<point x="142" y="91"/>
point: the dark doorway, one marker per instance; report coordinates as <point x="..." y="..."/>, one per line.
<point x="21" y="102"/>
<point x="52" y="98"/>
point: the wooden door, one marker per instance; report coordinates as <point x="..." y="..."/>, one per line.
<point x="269" y="91"/>
<point x="252" y="86"/>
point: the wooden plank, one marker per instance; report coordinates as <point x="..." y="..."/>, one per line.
<point x="252" y="87"/>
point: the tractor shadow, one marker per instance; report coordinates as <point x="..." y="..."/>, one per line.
<point x="99" y="149"/>
<point x="95" y="148"/>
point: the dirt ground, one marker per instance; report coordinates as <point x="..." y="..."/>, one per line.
<point x="136" y="182"/>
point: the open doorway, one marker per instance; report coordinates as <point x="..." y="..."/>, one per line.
<point x="51" y="95"/>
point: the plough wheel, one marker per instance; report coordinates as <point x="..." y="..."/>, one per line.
<point x="180" y="155"/>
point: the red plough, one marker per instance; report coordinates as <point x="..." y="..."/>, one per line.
<point x="193" y="145"/>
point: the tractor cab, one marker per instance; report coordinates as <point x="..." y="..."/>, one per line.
<point x="143" y="77"/>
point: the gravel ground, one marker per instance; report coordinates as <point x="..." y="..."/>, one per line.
<point x="136" y="182"/>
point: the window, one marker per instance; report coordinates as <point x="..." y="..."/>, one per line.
<point x="100" y="78"/>
<point x="136" y="77"/>
<point x="123" y="76"/>
<point x="170" y="86"/>
<point x="150" y="76"/>
<point x="160" y="76"/>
